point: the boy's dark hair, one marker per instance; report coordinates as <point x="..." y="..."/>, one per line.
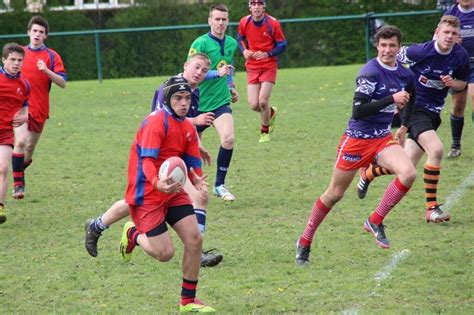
<point x="219" y="7"/>
<point x="39" y="20"/>
<point x="388" y="31"/>
<point x="12" y="48"/>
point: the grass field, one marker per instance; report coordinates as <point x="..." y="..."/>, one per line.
<point x="79" y="170"/>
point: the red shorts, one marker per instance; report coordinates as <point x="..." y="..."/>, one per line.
<point x="256" y="76"/>
<point x="147" y="217"/>
<point x="34" y="125"/>
<point x="7" y="137"/>
<point x="353" y="153"/>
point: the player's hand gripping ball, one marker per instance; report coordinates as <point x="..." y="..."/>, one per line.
<point x="175" y="167"/>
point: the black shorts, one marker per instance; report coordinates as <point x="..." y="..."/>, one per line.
<point x="173" y="215"/>
<point x="421" y="121"/>
<point x="224" y="109"/>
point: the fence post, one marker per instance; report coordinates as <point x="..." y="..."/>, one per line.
<point x="98" y="56"/>
<point x="368" y="17"/>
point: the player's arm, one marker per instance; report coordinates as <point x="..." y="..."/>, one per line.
<point x="458" y="80"/>
<point x="242" y="41"/>
<point x="152" y="136"/>
<point x="21" y="116"/>
<point x="406" y="114"/>
<point x="362" y="104"/>
<point x="233" y="91"/>
<point x="192" y="159"/>
<point x="407" y="111"/>
<point x="280" y="41"/>
<point x="57" y="78"/>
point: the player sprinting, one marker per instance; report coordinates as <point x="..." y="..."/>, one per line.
<point x="156" y="202"/>
<point x="195" y="70"/>
<point x="42" y="66"/>
<point x="261" y="40"/>
<point x="438" y="65"/>
<point x="14" y="93"/>
<point x="381" y="86"/>
<point x="218" y="91"/>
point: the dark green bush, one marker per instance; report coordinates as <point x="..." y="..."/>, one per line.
<point x="157" y="53"/>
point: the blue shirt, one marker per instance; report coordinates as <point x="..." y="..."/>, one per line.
<point x="428" y="64"/>
<point x="376" y="81"/>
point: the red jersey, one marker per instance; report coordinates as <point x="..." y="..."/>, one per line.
<point x="160" y="137"/>
<point x="40" y="82"/>
<point x="266" y="35"/>
<point x="14" y="92"/>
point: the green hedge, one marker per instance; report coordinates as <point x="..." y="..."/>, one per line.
<point x="159" y="53"/>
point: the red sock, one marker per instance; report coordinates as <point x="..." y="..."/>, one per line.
<point x="264" y="129"/>
<point x="393" y="194"/>
<point x="318" y="213"/>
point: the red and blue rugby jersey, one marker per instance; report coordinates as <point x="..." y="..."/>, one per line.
<point x="40" y="82"/>
<point x="160" y="137"/>
<point x="14" y="93"/>
<point x="266" y="35"/>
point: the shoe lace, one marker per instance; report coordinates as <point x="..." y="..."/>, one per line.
<point x="209" y="251"/>
<point x="436" y="208"/>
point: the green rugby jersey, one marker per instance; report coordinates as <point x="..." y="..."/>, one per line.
<point x="214" y="92"/>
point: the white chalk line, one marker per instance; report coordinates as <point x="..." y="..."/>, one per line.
<point x="456" y="195"/>
<point x="384" y="273"/>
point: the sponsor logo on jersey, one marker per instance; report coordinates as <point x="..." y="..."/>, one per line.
<point x="432" y="84"/>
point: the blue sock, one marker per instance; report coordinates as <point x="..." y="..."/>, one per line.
<point x="201" y="218"/>
<point x="457" y="124"/>
<point x="99" y="226"/>
<point x="223" y="161"/>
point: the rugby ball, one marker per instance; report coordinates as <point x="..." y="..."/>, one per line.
<point x="175" y="167"/>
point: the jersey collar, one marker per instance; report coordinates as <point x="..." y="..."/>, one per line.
<point x="8" y="75"/>
<point x="439" y="50"/>
<point x="37" y="49"/>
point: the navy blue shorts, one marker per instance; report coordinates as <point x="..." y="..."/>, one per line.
<point x="224" y="109"/>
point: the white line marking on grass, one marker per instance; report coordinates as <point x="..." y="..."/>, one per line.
<point x="381" y="275"/>
<point x="456" y="195"/>
<point x="387" y="270"/>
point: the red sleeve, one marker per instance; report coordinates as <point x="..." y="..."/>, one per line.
<point x="192" y="156"/>
<point x="278" y="32"/>
<point x="241" y="34"/>
<point x="59" y="65"/>
<point x="150" y="170"/>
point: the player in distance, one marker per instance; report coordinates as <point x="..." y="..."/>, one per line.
<point x="261" y="40"/>
<point x="14" y="93"/>
<point x="42" y="66"/>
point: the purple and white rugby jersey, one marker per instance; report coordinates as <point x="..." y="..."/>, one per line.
<point x="428" y="63"/>
<point x="376" y="81"/>
<point x="466" y="17"/>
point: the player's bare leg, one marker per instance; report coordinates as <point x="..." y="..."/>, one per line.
<point x="5" y="158"/>
<point x="433" y="147"/>
<point x="340" y="181"/>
